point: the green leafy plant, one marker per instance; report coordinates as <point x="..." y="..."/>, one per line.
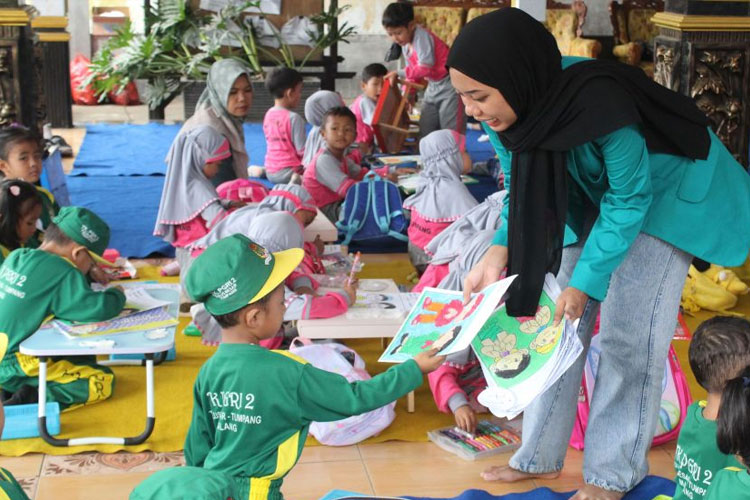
<point x="180" y="45"/>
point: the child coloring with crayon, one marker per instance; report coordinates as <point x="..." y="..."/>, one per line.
<point x="283" y="128"/>
<point x="277" y="231"/>
<point x="51" y="281"/>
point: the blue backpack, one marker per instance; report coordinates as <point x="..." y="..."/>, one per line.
<point x="372" y="213"/>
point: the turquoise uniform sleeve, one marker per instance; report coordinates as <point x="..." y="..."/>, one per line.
<point x="199" y="440"/>
<point x="501" y="236"/>
<point x="622" y="210"/>
<point x="324" y="396"/>
<point x="74" y="300"/>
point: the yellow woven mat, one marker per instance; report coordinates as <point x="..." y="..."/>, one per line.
<point x="124" y="413"/>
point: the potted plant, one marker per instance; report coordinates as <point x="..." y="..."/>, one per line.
<point x="179" y="46"/>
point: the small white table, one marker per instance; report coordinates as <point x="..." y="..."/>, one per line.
<point x="323" y="227"/>
<point x="342" y="327"/>
<point x="48" y="342"/>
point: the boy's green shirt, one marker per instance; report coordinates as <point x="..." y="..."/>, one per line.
<point x="697" y="458"/>
<point x="35" y="284"/>
<point x="730" y="483"/>
<point x="252" y="409"/>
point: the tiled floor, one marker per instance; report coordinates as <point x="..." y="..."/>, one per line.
<point x="394" y="468"/>
<point x="389" y="469"/>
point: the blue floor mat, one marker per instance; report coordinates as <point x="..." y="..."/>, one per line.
<point x="646" y="490"/>
<point x="116" y="150"/>
<point x="131" y="218"/>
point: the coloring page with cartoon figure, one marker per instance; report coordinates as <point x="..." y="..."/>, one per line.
<point x="522" y="356"/>
<point x="439" y="319"/>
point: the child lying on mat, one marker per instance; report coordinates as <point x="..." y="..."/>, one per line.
<point x="441" y="198"/>
<point x="252" y="407"/>
<point x="330" y="174"/>
<point x="21" y="159"/>
<point x="51" y="281"/>
<point x="278" y="231"/>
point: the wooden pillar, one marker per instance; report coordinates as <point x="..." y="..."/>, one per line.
<point x="703" y="51"/>
<point x="54" y="43"/>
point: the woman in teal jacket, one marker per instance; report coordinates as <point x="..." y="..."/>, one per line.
<point x="628" y="178"/>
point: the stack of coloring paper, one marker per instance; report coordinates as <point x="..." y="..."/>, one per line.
<point x="522" y="357"/>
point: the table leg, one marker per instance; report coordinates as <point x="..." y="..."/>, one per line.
<point x="150" y="418"/>
<point x="410" y="402"/>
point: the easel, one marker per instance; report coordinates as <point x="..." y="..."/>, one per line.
<point x="391" y="123"/>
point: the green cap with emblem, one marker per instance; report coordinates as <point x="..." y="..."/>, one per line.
<point x="235" y="272"/>
<point x="85" y="228"/>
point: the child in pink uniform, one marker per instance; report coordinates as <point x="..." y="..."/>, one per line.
<point x="363" y="106"/>
<point x="284" y="129"/>
<point x="190" y="205"/>
<point x="441" y="198"/>
<point x="426" y="56"/>
<point x="331" y="173"/>
<point x="277" y="231"/>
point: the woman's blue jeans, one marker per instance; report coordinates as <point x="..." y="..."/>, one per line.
<point x="638" y="319"/>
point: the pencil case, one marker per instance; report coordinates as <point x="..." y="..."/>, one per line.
<point x="491" y="438"/>
<point x="21" y="421"/>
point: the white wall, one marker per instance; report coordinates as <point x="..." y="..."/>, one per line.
<point x="48" y="7"/>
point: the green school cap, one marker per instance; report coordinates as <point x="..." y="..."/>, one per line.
<point x="85" y="228"/>
<point x="235" y="272"/>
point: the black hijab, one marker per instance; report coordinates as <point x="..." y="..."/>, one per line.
<point x="558" y="110"/>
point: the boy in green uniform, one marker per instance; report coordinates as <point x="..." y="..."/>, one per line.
<point x="719" y="351"/>
<point x="252" y="407"/>
<point x="51" y="281"/>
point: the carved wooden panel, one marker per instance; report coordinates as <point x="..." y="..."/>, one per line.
<point x="667" y="65"/>
<point x="718" y="84"/>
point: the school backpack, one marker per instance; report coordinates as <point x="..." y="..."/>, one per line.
<point x="372" y="213"/>
<point x="243" y="190"/>
<point x="337" y="358"/>
<point x="675" y="398"/>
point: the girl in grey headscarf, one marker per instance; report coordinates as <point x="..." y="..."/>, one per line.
<point x="223" y="106"/>
<point x="315" y="107"/>
<point x="446" y="246"/>
<point x="278" y="231"/>
<point x="441" y="198"/>
<point x="190" y="205"/>
<point x="457" y="383"/>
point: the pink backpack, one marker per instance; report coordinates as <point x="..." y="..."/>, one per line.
<point x="243" y="190"/>
<point x="675" y="397"/>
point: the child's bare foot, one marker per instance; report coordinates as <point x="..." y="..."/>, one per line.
<point x="508" y="474"/>
<point x="591" y="492"/>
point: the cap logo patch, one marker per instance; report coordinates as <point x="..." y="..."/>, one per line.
<point x="226" y="290"/>
<point x="261" y="252"/>
<point x="88" y="234"/>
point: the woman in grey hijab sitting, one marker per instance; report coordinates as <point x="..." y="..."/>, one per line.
<point x="223" y="106"/>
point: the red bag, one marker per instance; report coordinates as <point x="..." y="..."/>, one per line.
<point x="127" y="97"/>
<point x="79" y="72"/>
<point x="675" y="397"/>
